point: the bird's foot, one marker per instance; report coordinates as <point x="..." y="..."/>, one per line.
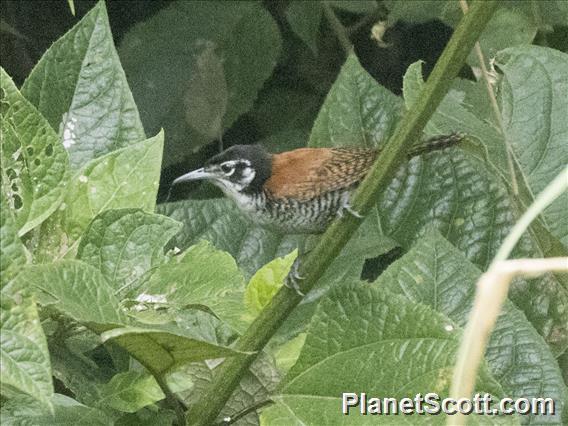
<point x="347" y="207"/>
<point x="293" y="278"/>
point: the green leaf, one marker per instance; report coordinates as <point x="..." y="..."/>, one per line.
<point x="126" y="243"/>
<point x="366" y="327"/>
<point x="34" y="163"/>
<point x="160" y="349"/>
<point x="161" y="57"/>
<point x="220" y="222"/>
<point x="12" y="252"/>
<point x="202" y="276"/>
<point x="130" y="391"/>
<point x="74" y="288"/>
<point x="357" y="111"/>
<point x="304" y="18"/>
<point x="286" y="355"/>
<point x="126" y="178"/>
<point x="80" y="88"/>
<point x="266" y="282"/>
<point x="67" y="411"/>
<point x="435" y="273"/>
<point x="470" y="200"/>
<point x="23" y="351"/>
<point x="507" y="28"/>
<point x="534" y="109"/>
<point x="543" y="13"/>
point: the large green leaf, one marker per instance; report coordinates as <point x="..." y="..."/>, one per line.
<point x="357" y="111"/>
<point x="12" y="252"/>
<point x="23" y="351"/>
<point x="74" y="288"/>
<point x="220" y="222"/>
<point x="435" y="273"/>
<point x="124" y="244"/>
<point x="80" y="88"/>
<point x="125" y="178"/>
<point x="367" y="339"/>
<point x="130" y="391"/>
<point x="167" y="57"/>
<point x="34" y="163"/>
<point x="534" y="109"/>
<point x="162" y="348"/>
<point x="66" y="411"/>
<point x="470" y="200"/>
<point x="202" y="276"/>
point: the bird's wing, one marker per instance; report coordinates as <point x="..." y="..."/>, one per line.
<point x="306" y="173"/>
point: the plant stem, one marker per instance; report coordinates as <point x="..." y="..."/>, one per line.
<point x="229" y="374"/>
<point x="496" y="111"/>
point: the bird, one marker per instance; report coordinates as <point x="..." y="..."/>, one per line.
<point x="296" y="192"/>
<point x="300" y="191"/>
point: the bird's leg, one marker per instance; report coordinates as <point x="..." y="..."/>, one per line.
<point x="293" y="278"/>
<point x="346" y="205"/>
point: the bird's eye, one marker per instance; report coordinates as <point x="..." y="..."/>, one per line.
<point x="227" y="169"/>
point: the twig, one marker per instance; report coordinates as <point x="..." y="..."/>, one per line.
<point x="338" y="28"/>
<point x="171" y="399"/>
<point x="495" y="108"/>
<point x="492" y="290"/>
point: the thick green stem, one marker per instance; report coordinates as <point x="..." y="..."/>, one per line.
<point x="229" y="374"/>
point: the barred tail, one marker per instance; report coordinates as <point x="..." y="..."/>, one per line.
<point x="436" y="143"/>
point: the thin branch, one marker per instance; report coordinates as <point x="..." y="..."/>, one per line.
<point x="337" y="27"/>
<point x="207" y="408"/>
<point x="492" y="290"/>
<point x="171" y="399"/>
<point x="495" y="108"/>
<point x="233" y="419"/>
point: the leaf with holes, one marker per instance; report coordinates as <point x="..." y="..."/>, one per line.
<point x="126" y="243"/>
<point x="34" y="163"/>
<point x="12" y="252"/>
<point x="126" y="178"/>
<point x="23" y="351"/>
<point x="80" y="88"/>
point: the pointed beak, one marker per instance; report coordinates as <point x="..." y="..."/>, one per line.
<point x="198" y="174"/>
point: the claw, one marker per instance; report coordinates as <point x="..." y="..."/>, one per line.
<point x="347" y="207"/>
<point x="293" y="278"/>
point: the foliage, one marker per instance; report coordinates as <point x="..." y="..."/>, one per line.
<point x="116" y="310"/>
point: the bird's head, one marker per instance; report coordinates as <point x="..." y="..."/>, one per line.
<point x="239" y="169"/>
